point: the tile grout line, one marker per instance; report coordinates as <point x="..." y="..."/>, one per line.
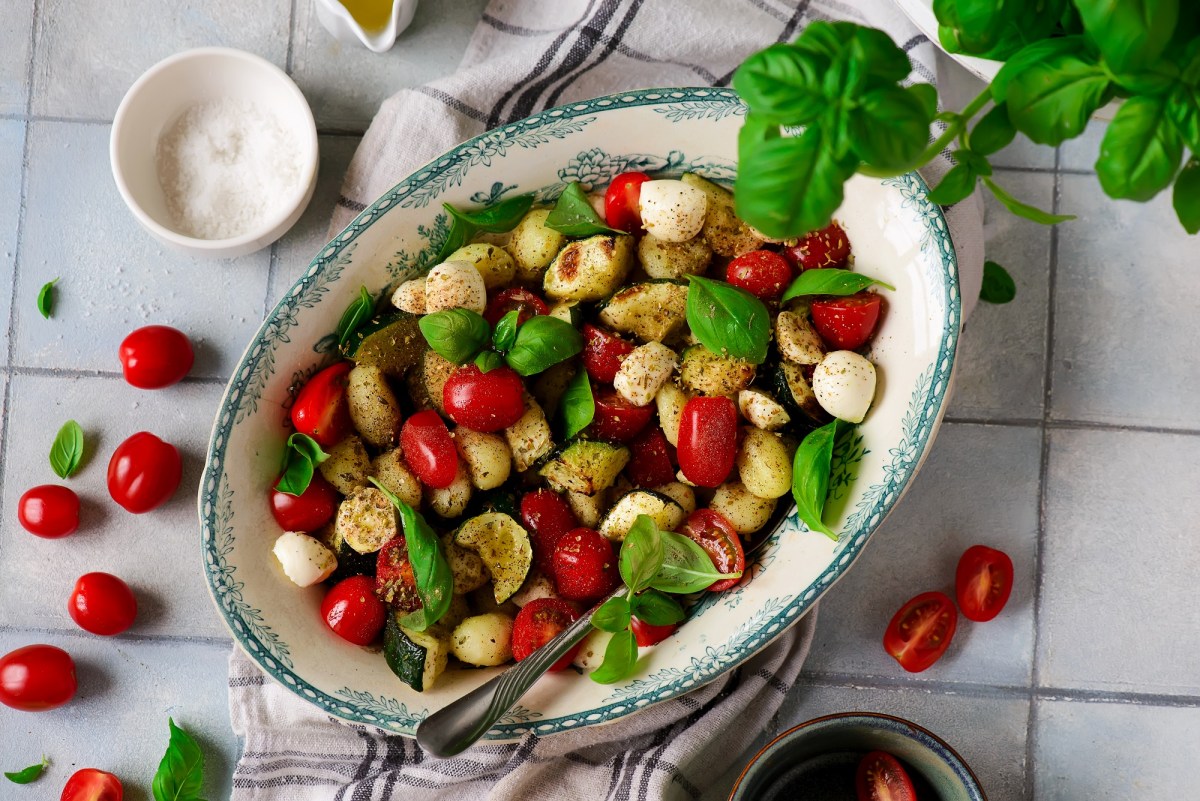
<point x="290" y="62"/>
<point x="1069" y="425"/>
<point x="125" y="637"/>
<point x="67" y="372"/>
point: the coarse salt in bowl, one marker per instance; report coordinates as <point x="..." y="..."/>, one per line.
<point x="214" y="150"/>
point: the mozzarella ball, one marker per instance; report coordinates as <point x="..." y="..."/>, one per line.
<point x="305" y="560"/>
<point x="844" y="384"/>
<point x="453" y="285"/>
<point x="644" y="372"/>
<point x="410" y="296"/>
<point x="671" y="210"/>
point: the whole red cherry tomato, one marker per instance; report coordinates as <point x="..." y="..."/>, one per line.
<point x="584" y="564"/>
<point x="647" y="635"/>
<point x="828" y="247"/>
<point x="321" y="410"/>
<point x="708" y="433"/>
<point x="616" y="419"/>
<point x="881" y="777"/>
<point x="846" y="323"/>
<point x="36" y="678"/>
<point x="621" y="202"/>
<point x="49" y="511"/>
<point x="920" y="632"/>
<point x="143" y="472"/>
<point x="539" y="622"/>
<point x="352" y="610"/>
<point x="484" y="402"/>
<point x="102" y="604"/>
<point x="428" y="449"/>
<point x="90" y="784"/>
<point x="650" y="459"/>
<point x="603" y="353"/>
<point x="523" y="301"/>
<point x="717" y="536"/>
<point x="307" y="511"/>
<point x="762" y="273"/>
<point x="983" y="582"/>
<point x="156" y="356"/>
<point x="547" y="517"/>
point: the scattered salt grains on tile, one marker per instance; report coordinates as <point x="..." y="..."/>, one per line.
<point x="224" y="167"/>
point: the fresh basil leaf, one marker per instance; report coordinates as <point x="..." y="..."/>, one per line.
<point x="45" y="300"/>
<point x="357" y="313"/>
<point x="656" y="608"/>
<point x="488" y="360"/>
<point x="1131" y="34"/>
<point x="1183" y="107"/>
<point x="728" y="320"/>
<point x="1052" y="100"/>
<point x="301" y="457"/>
<point x="641" y="554"/>
<point x="457" y="335"/>
<point x="431" y="571"/>
<point x="460" y="232"/>
<point x="619" y="658"/>
<point x="890" y="127"/>
<point x="543" y="342"/>
<point x="497" y="218"/>
<point x="574" y="216"/>
<point x="956" y="186"/>
<point x="783" y="84"/>
<point x="926" y="94"/>
<point x="29" y="774"/>
<point x="830" y="281"/>
<point x="578" y="407"/>
<point x="506" y="331"/>
<point x="1024" y="209"/>
<point x="1033" y="53"/>
<point x="612" y="615"/>
<point x="883" y="59"/>
<point x="1141" y="150"/>
<point x="998" y="286"/>
<point x="686" y="566"/>
<point x="180" y="775"/>
<point x="993" y="132"/>
<point x="67" y="451"/>
<point x="810" y="475"/>
<point x="994" y="30"/>
<point x="1186" y="197"/>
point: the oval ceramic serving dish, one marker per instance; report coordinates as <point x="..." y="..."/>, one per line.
<point x="897" y="235"/>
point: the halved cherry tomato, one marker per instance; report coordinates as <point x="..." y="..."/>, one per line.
<point x="49" y="511"/>
<point x="828" y="247"/>
<point x="539" y="622"/>
<point x="762" y="273"/>
<point x="983" y="582"/>
<point x="584" y="565"/>
<point x="647" y="635"/>
<point x="650" y="459"/>
<point x="90" y="784"/>
<point x="484" y="402"/>
<point x="921" y="631"/>
<point x="617" y="419"/>
<point x="547" y="517"/>
<point x="353" y="612"/>
<point x="102" y="604"/>
<point x="846" y="323"/>
<point x="307" y="511"/>
<point x="621" y="201"/>
<point x="525" y="302"/>
<point x="603" y="353"/>
<point x="144" y="472"/>
<point x="881" y="777"/>
<point x="717" y="536"/>
<point x="155" y="356"/>
<point x="428" y="449"/>
<point x="395" y="582"/>
<point x="708" y="434"/>
<point x="36" y="678"/>
<point x="321" y="410"/>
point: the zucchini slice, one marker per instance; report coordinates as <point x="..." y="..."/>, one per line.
<point x="653" y="311"/>
<point x="416" y="657"/>
<point x="704" y="372"/>
<point x="391" y="341"/>
<point x="366" y="521"/>
<point x="586" y="466"/>
<point x="796" y="395"/>
<point x="662" y="509"/>
<point x="504" y="547"/>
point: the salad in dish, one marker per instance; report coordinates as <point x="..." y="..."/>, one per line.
<point x="614" y="390"/>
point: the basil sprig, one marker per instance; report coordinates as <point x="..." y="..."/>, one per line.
<point x="810" y="475"/>
<point x="577" y="405"/>
<point x="506" y="330"/>
<point x="29" y="774"/>
<point x="830" y="281"/>
<point x="357" y="313"/>
<point x="495" y="219"/>
<point x="728" y="320"/>
<point x="45" y="299"/>
<point x="998" y="285"/>
<point x="488" y="360"/>
<point x="541" y="343"/>
<point x="67" y="451"/>
<point x="431" y="571"/>
<point x="180" y="775"/>
<point x="574" y="216"/>
<point x="300" y="459"/>
<point x="457" y="335"/>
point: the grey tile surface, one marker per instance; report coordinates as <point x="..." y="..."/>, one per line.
<point x="16" y="28"/>
<point x="12" y="147"/>
<point x="1081" y="152"/>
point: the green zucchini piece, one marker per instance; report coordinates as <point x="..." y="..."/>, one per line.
<point x="795" y="393"/>
<point x="416" y="657"/>
<point x="391" y="341"/>
<point x="586" y="466"/>
<point x="504" y="547"/>
<point x="653" y="311"/>
<point x="706" y="373"/>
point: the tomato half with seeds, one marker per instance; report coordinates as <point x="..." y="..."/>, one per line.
<point x="155" y="356"/>
<point x="524" y="302"/>
<point x="708" y="440"/>
<point x="603" y="353"/>
<point x="828" y="247"/>
<point x="90" y="784"/>
<point x="650" y="459"/>
<point x="307" y="511"/>
<point x="622" y="208"/>
<point x="428" y="449"/>
<point x="846" y="323"/>
<point x="321" y="410"/>
<point x="49" y="510"/>
<point x="486" y="402"/>
<point x="539" y="622"/>
<point x="36" y="678"/>
<point x="921" y="631"/>
<point x="762" y="273"/>
<point x="881" y="777"/>
<point x="983" y="582"/>
<point x="102" y="604"/>
<point x="616" y="419"/>
<point x="353" y="611"/>
<point x="547" y="516"/>
<point x="395" y="582"/>
<point x="717" y="536"/>
<point x="144" y="472"/>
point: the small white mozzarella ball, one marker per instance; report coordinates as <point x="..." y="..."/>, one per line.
<point x="671" y="210"/>
<point x="844" y="384"/>
<point x="454" y="285"/>
<point x="410" y="296"/>
<point x="644" y="372"/>
<point x="305" y="560"/>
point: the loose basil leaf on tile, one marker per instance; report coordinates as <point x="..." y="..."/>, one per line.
<point x="506" y="331"/>
<point x="613" y="615"/>
<point x="728" y="320"/>
<point x="574" y="216"/>
<point x="831" y="281"/>
<point x="998" y="286"/>
<point x="543" y="342"/>
<point x="45" y="300"/>
<point x="67" y="451"/>
<point x="180" y="775"/>
<point x="357" y="313"/>
<point x="619" y="658"/>
<point x="29" y="774"/>
<point x="434" y="580"/>
<point x="488" y="360"/>
<point x="300" y="459"/>
<point x="457" y="335"/>
<point x="686" y="567"/>
<point x="642" y="554"/>
<point x="656" y="608"/>
<point x="810" y="475"/>
<point x="577" y="405"/>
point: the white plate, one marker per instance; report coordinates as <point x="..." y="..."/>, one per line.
<point x="897" y="235"/>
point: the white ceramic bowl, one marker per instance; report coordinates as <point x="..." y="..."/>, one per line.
<point x="168" y="89"/>
<point x="897" y="235"/>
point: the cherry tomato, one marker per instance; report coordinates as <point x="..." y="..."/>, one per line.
<point x="603" y="353"/>
<point x="352" y="610"/>
<point x="321" y="410"/>
<point x="155" y="356"/>
<point x="49" y="511"/>
<point x="983" y="582"/>
<point x="846" y="323"/>
<point x="708" y="434"/>
<point x="647" y="635"/>
<point x="144" y="472"/>
<point x="547" y="516"/>
<point x="428" y="449"/>
<point x="484" y="402"/>
<point x="90" y="784"/>
<point x="828" y="247"/>
<point x="717" y="536"/>
<point x="539" y="622"/>
<point x="621" y="202"/>
<point x="617" y="419"/>
<point x="525" y="302"/>
<point x="762" y="273"/>
<point x="584" y="565"/>
<point x="650" y="459"/>
<point x="921" y="631"/>
<point x="307" y="511"/>
<point x="395" y="582"/>
<point x="881" y="777"/>
<point x="36" y="678"/>
<point x="102" y="604"/>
